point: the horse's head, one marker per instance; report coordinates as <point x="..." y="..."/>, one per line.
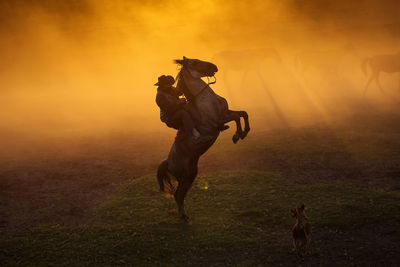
<point x="198" y="68"/>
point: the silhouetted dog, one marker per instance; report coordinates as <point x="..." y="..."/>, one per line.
<point x="301" y="231"/>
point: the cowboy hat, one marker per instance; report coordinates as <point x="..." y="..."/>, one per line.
<point x="166" y="80"/>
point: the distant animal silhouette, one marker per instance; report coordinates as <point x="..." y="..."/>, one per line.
<point x="246" y="61"/>
<point x="323" y="61"/>
<point x="177" y="173"/>
<point x="389" y="63"/>
<point x="301" y="231"/>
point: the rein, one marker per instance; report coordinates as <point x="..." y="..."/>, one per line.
<point x="208" y="84"/>
<point x="208" y="79"/>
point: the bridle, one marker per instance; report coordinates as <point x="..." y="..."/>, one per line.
<point x="208" y="80"/>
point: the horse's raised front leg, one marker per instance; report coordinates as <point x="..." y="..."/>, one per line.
<point x="245" y="117"/>
<point x="234" y="116"/>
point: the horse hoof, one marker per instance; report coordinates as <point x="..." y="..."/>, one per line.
<point x="243" y="135"/>
<point x="235" y="138"/>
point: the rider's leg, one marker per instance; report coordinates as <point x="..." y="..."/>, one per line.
<point x="196" y="117"/>
<point x="183" y="118"/>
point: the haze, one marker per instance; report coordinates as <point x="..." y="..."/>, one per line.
<point x="87" y="68"/>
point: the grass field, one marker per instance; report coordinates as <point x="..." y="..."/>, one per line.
<point x="97" y="202"/>
<point x="241" y="218"/>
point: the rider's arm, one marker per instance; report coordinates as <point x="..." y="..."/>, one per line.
<point x="177" y="91"/>
<point x="167" y="105"/>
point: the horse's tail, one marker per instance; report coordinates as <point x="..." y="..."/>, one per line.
<point x="167" y="182"/>
<point x="364" y="65"/>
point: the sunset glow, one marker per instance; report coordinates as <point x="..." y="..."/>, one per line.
<point x="91" y="66"/>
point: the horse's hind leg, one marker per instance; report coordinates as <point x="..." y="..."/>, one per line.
<point x="180" y="194"/>
<point x="371" y="78"/>
<point x="399" y="83"/>
<point x="378" y="83"/>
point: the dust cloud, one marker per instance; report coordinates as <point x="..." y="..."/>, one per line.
<point x="87" y="68"/>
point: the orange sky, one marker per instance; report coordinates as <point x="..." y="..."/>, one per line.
<point x="91" y="65"/>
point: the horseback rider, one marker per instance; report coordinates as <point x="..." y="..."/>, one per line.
<point x="174" y="111"/>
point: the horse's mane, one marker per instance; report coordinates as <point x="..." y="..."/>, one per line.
<point x="179" y="75"/>
<point x="180" y="84"/>
<point x="177" y="61"/>
<point x="179" y="79"/>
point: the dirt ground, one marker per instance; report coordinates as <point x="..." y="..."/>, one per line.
<point x="60" y="181"/>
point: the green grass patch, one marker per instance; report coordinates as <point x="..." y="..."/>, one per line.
<point x="253" y="195"/>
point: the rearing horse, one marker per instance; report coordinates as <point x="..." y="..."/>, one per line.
<point x="176" y="174"/>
